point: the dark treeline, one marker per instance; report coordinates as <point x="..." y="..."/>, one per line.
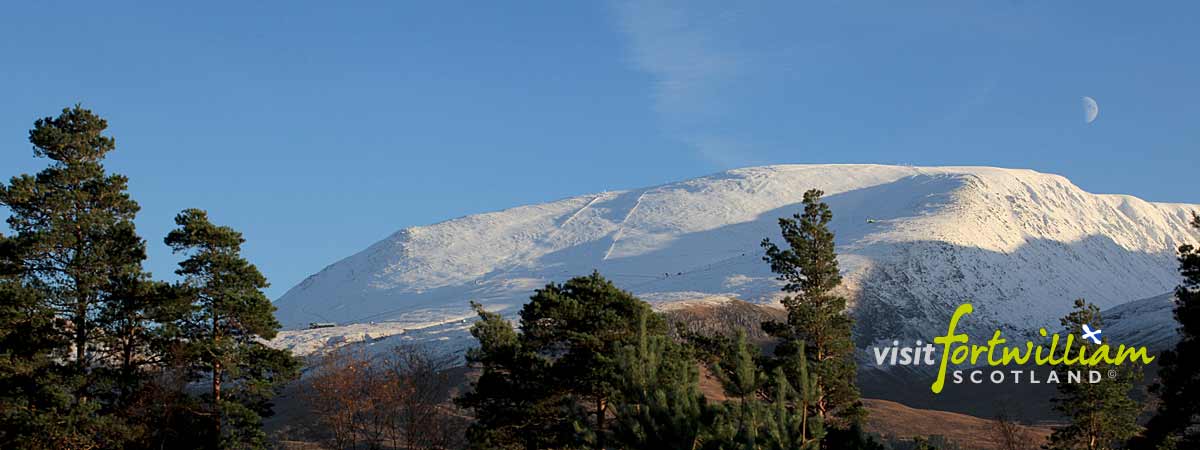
<point x="95" y="353"/>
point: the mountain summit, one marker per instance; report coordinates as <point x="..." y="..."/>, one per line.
<point x="914" y="243"/>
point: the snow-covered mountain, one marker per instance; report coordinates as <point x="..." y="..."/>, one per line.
<point x="1149" y="322"/>
<point x="914" y="243"/>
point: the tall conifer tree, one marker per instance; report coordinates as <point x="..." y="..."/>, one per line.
<point x="1101" y="415"/>
<point x="75" y="255"/>
<point x="229" y="319"/>
<point x="816" y="315"/>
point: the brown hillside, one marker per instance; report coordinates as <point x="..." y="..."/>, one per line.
<point x="896" y="420"/>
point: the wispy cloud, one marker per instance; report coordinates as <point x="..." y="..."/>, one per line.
<point x="679" y="48"/>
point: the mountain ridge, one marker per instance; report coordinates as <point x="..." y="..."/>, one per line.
<point x="913" y="243"/>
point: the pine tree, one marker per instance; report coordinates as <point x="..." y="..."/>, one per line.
<point x="739" y="371"/>
<point x="133" y="342"/>
<point x="514" y="407"/>
<point x="1101" y="415"/>
<point x="794" y="423"/>
<point x="742" y="420"/>
<point x="230" y="317"/>
<point x="33" y="398"/>
<point x="768" y="411"/>
<point x="552" y="384"/>
<point x="816" y="316"/>
<point x="660" y="405"/>
<point x="1176" y="423"/>
<point x="75" y="255"/>
<point x="74" y="223"/>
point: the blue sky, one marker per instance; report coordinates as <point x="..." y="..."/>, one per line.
<point x="318" y="128"/>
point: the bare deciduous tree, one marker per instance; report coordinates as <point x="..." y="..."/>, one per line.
<point x="398" y="400"/>
<point x="1010" y="435"/>
<point x="423" y="416"/>
<point x="332" y="394"/>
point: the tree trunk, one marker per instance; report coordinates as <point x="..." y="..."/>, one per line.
<point x="600" y="413"/>
<point x="216" y="379"/>
<point x="81" y="336"/>
<point x="81" y="343"/>
<point x="805" y="397"/>
<point x="81" y="339"/>
<point x="127" y="369"/>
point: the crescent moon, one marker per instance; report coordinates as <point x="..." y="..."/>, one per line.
<point x="1090" y="109"/>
